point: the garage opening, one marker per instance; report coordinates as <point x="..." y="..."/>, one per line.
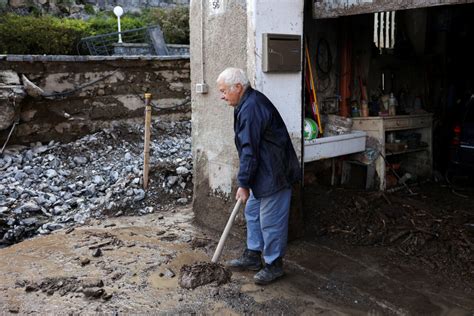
<point x="405" y="78"/>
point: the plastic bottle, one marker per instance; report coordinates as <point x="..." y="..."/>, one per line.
<point x="392" y="103"/>
<point x="364" y="111"/>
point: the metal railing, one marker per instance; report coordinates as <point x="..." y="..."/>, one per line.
<point x="106" y="44"/>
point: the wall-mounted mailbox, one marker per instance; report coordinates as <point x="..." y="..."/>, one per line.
<point x="281" y="52"/>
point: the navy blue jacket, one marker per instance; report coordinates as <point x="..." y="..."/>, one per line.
<point x="268" y="161"/>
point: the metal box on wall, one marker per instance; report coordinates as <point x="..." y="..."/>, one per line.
<point x="281" y="53"/>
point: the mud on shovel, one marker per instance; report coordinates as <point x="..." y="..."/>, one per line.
<point x="192" y="276"/>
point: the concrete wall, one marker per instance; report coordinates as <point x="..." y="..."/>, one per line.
<point x="232" y="36"/>
<point x="118" y="93"/>
<point x="224" y="41"/>
<point x="283" y="89"/>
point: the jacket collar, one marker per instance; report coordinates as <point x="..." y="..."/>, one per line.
<point x="244" y="97"/>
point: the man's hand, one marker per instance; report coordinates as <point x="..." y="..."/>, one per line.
<point x="243" y="194"/>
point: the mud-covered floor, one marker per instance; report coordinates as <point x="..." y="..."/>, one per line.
<point x="432" y="228"/>
<point x="136" y="271"/>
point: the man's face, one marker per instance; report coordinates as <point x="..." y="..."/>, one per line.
<point x="230" y="95"/>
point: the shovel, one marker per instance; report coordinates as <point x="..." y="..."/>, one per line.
<point x="227" y="228"/>
<point x="192" y="276"/>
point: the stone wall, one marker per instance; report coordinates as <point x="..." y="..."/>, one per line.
<point x="75" y="7"/>
<point x="81" y="94"/>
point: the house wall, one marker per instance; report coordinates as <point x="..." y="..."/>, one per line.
<point x="217" y="41"/>
<point x="231" y="36"/>
<point x="283" y="89"/>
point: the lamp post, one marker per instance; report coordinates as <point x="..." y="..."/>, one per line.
<point x="118" y="11"/>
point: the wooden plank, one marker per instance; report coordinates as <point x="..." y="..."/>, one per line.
<point x="336" y="8"/>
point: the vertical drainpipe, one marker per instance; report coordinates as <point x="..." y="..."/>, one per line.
<point x="252" y="71"/>
<point x="346" y="70"/>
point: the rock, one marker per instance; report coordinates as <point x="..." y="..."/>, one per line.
<point x="52" y="226"/>
<point x="107" y="296"/>
<point x="14" y="309"/>
<point x="30" y="221"/>
<point x="58" y="210"/>
<point x="172" y="180"/>
<point x="90" y="189"/>
<point x="98" y="180"/>
<point x="182" y="170"/>
<point x="169" y="273"/>
<point x="182" y="201"/>
<point x="97" y="253"/>
<point x="84" y="261"/>
<point x="27" y="207"/>
<point x="139" y="195"/>
<point x="149" y="209"/>
<point x="93" y="292"/>
<point x="51" y="173"/>
<point x="20" y="175"/>
<point x="39" y="149"/>
<point x="92" y="282"/>
<point x="114" y="176"/>
<point x="80" y="160"/>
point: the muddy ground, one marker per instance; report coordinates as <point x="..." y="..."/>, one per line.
<point x="432" y="228"/>
<point x="136" y="271"/>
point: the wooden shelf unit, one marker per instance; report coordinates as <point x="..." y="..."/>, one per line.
<point x="417" y="161"/>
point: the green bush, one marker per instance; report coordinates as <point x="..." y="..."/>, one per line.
<point x="49" y="35"/>
<point x="174" y="23"/>
<point x="106" y="23"/>
<point x="39" y="35"/>
<point x="89" y="8"/>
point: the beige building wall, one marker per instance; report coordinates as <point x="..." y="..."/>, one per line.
<point x="218" y="40"/>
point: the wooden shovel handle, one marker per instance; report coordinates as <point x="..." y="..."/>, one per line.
<point x="227" y="228"/>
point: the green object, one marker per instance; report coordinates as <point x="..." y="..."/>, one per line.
<point x="310" y="129"/>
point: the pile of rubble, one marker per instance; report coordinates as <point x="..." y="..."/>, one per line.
<point x="45" y="187"/>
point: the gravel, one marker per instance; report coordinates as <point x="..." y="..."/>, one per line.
<point x="46" y="187"/>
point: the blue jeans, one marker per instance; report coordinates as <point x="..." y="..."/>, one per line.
<point x="267" y="224"/>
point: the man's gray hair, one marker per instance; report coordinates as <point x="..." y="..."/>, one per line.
<point x="232" y="76"/>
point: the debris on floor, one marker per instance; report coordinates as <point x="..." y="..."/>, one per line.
<point x="431" y="228"/>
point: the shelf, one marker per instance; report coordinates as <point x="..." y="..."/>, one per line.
<point x="406" y="151"/>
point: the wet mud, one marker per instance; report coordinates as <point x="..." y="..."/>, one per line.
<point x="138" y="272"/>
<point x="198" y="274"/>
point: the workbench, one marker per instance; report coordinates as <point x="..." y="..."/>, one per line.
<point x="415" y="160"/>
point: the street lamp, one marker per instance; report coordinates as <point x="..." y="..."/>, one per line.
<point x="118" y="11"/>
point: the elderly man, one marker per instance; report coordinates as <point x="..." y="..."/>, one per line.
<point x="268" y="167"/>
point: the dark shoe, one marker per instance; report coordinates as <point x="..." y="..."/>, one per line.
<point x="250" y="260"/>
<point x="270" y="272"/>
